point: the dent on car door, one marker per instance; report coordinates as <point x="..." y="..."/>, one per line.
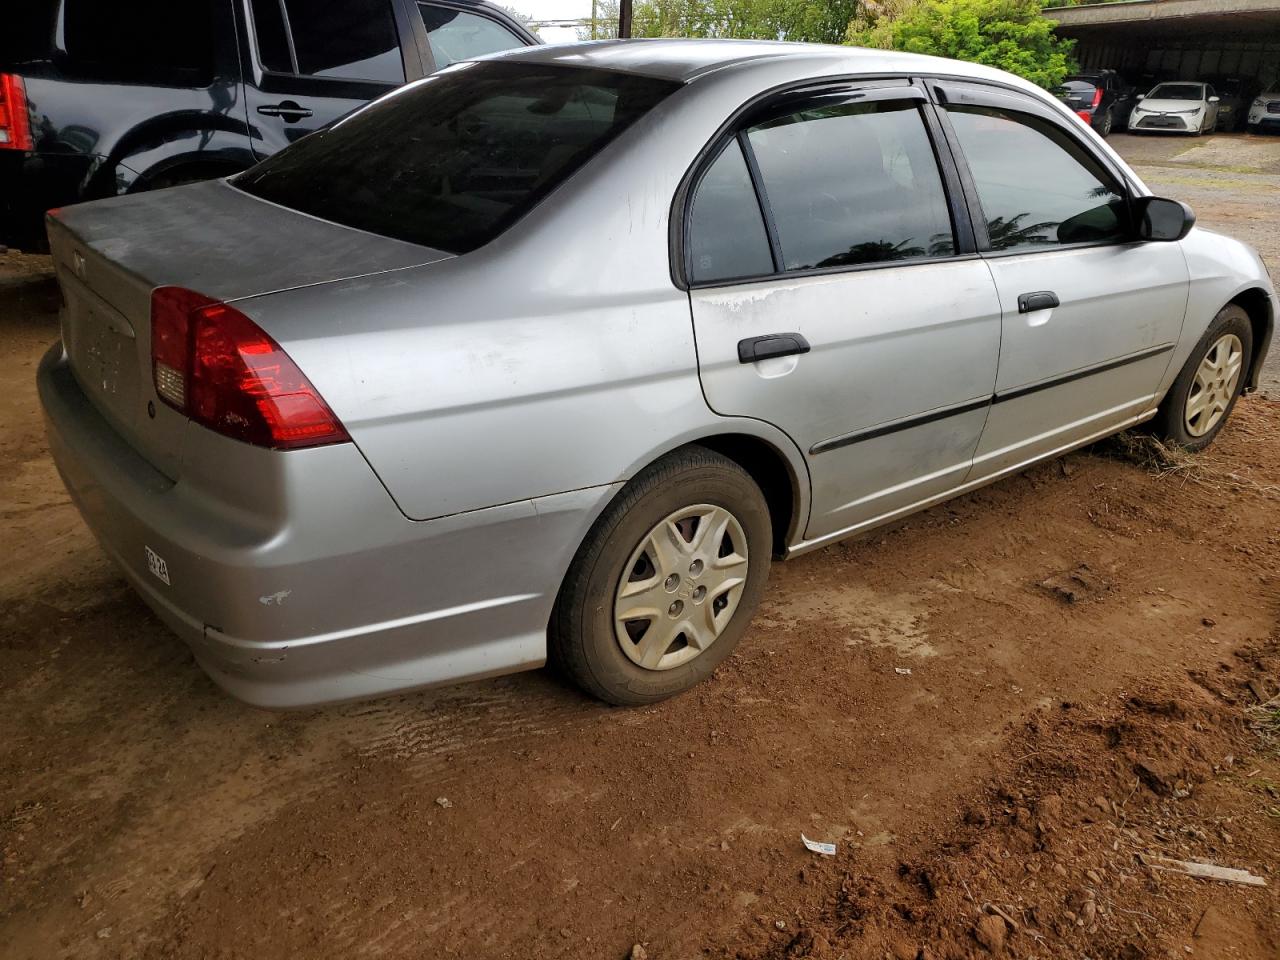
<point x="315" y="61"/>
<point x="1090" y="316"/>
<point x="832" y="297"/>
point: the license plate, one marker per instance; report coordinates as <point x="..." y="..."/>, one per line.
<point x="155" y="563"/>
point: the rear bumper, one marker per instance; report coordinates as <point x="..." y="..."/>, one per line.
<point x="30" y="184"/>
<point x="329" y="592"/>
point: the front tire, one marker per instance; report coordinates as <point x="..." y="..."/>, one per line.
<point x="1202" y="397"/>
<point x="665" y="584"/>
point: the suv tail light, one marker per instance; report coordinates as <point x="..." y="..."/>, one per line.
<point x="15" y="123"/>
<point x="215" y="365"/>
<point x="1097" y="98"/>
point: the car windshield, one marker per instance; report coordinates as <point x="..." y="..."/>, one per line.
<point x="452" y="161"/>
<point x="1177" y="91"/>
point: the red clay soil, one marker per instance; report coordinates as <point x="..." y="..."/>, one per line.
<point x="1080" y="640"/>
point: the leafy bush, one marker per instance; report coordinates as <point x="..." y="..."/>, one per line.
<point x="1012" y="35"/>
<point x="815" y="21"/>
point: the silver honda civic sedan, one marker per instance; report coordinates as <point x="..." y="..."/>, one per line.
<point x="548" y="355"/>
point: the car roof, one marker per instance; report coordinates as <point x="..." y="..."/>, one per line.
<point x="684" y="60"/>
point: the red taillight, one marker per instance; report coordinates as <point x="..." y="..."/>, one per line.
<point x="212" y="363"/>
<point x="15" y="123"/>
<point x="1097" y="98"/>
<point x="1085" y="115"/>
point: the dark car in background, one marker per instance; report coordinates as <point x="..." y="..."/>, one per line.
<point x="104" y="98"/>
<point x="1234" y="96"/>
<point x="1101" y="99"/>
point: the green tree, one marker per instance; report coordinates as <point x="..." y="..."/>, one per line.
<point x="814" y="21"/>
<point x="1012" y="35"/>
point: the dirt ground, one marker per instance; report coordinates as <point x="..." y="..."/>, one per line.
<point x="1002" y="713"/>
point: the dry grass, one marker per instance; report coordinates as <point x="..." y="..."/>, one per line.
<point x="1155" y="456"/>
<point x="1167" y="461"/>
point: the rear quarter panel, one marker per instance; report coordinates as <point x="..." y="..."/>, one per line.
<point x="466" y="387"/>
<point x="558" y="357"/>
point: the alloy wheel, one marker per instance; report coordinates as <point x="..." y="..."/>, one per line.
<point x="681" y="587"/>
<point x="1214" y="386"/>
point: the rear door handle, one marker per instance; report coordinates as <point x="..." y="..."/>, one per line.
<point x="286" y="109"/>
<point x="1042" y="300"/>
<point x="755" y="349"/>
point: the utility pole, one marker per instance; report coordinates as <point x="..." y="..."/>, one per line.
<point x="624" y="19"/>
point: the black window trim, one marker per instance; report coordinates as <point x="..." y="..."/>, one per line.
<point x="966" y="91"/>
<point x="407" y="39"/>
<point x="865" y="87"/>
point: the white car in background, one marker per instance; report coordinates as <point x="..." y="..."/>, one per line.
<point x="1177" y="107"/>
<point x="1264" y="113"/>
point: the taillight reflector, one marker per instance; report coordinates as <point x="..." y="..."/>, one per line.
<point x="15" y="123"/>
<point x="1085" y="115"/>
<point x="215" y="365"/>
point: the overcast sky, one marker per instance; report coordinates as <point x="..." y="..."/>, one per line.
<point x="552" y="10"/>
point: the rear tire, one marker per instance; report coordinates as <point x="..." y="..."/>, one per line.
<point x="1205" y="392"/>
<point x="1108" y="123"/>
<point x="685" y="549"/>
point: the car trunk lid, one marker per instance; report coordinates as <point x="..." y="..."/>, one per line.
<point x="111" y="255"/>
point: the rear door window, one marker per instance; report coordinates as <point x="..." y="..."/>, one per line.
<point x="727" y="237"/>
<point x="458" y="35"/>
<point x="852" y="183"/>
<point x="270" y="35"/>
<point x="454" y="160"/>
<point x="349" y="40"/>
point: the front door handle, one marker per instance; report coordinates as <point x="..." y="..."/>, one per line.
<point x="1041" y="300"/>
<point x="288" y="110"/>
<point x="755" y="349"/>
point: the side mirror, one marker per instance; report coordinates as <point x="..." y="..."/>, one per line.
<point x="1163" y="220"/>
<point x="1215" y="99"/>
<point x="1142" y="96"/>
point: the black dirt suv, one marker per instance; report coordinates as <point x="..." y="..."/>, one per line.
<point x="1101" y="99"/>
<point x="103" y="97"/>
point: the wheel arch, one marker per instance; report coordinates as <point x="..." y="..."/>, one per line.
<point x="784" y="491"/>
<point x="766" y="453"/>
<point x="191" y="154"/>
<point x="1260" y="307"/>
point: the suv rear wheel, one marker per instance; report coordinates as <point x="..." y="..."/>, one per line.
<point x="666" y="582"/>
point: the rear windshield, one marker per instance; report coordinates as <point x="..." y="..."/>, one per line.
<point x="1078" y="86"/>
<point x="452" y="161"/>
<point x="1177" y="91"/>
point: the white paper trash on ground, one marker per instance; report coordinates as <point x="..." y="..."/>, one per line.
<point x="826" y="849"/>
